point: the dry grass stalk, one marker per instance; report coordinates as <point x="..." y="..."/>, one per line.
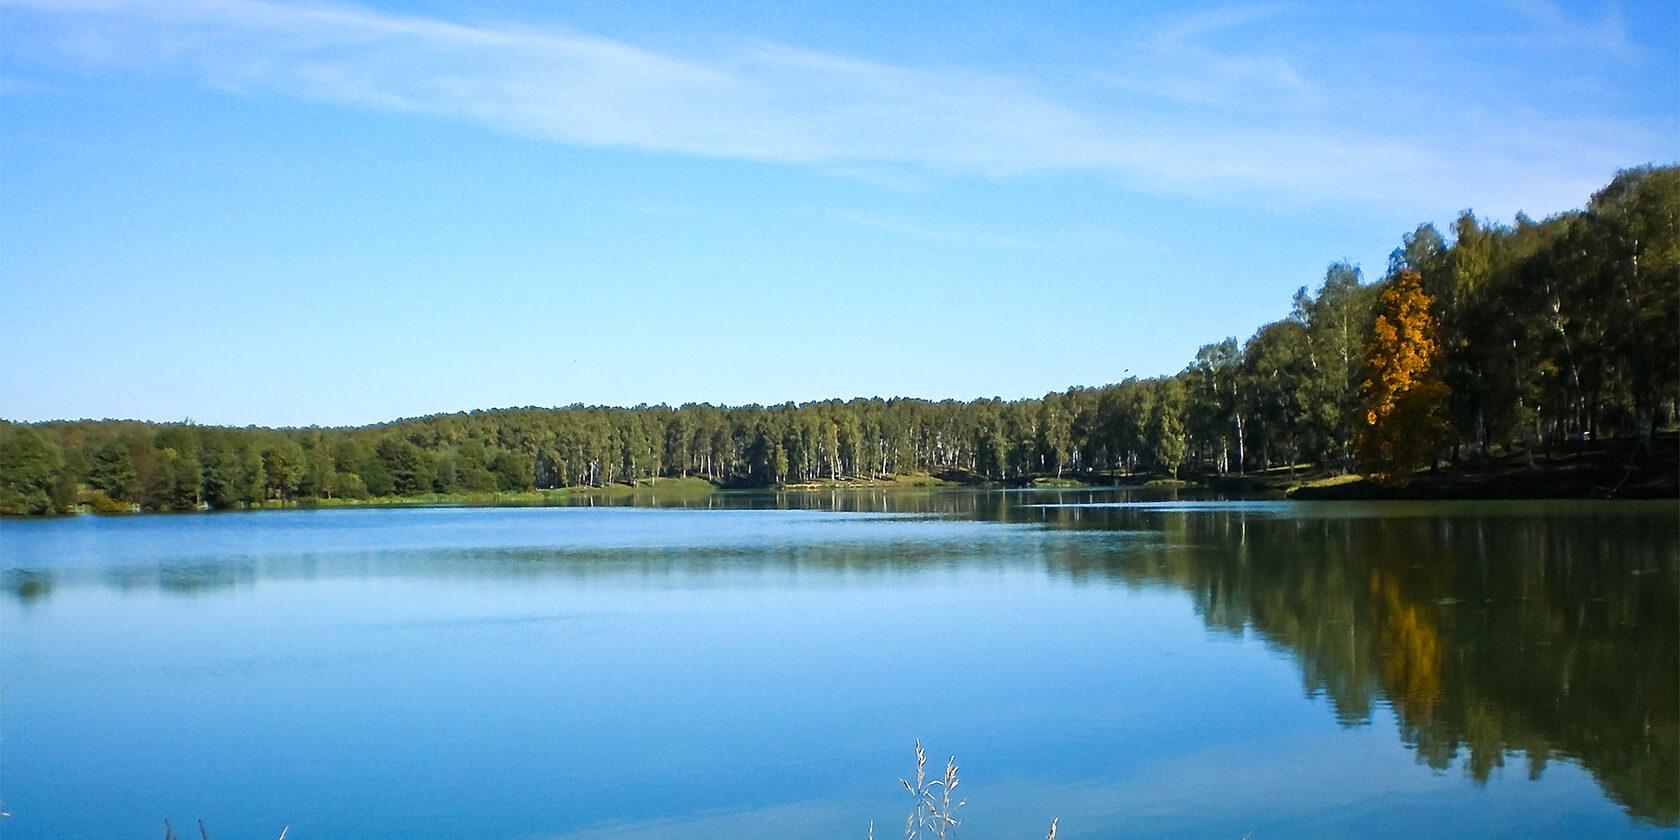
<point x="944" y="818"/>
<point x="935" y="815"/>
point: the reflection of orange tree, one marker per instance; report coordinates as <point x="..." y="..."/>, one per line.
<point x="1410" y="650"/>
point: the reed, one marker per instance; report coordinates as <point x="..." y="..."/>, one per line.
<point x="934" y="815"/>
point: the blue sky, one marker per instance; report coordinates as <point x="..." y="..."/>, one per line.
<point x="289" y="213"/>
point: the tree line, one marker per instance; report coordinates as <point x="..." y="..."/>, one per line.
<point x="1540" y="332"/>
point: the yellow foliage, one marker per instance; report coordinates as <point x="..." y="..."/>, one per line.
<point x="1411" y="652"/>
<point x="1405" y="398"/>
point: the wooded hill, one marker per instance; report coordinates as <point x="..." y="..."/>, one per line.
<point x="1548" y="332"/>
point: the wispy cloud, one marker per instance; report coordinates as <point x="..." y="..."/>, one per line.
<point x="1187" y="60"/>
<point x="1189" y="114"/>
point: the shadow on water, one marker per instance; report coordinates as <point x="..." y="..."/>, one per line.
<point x="1523" y="632"/>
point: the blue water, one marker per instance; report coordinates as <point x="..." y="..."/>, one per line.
<point x="637" y="673"/>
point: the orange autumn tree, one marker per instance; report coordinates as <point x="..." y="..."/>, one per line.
<point x="1405" y="399"/>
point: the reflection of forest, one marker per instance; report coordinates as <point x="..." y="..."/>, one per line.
<point x="1529" y="631"/>
<point x="1488" y="636"/>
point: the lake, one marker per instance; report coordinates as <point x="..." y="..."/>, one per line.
<point x="762" y="665"/>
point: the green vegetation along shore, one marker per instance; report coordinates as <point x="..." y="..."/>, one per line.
<point x="1541" y="341"/>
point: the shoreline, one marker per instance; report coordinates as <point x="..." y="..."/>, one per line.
<point x="1607" y="470"/>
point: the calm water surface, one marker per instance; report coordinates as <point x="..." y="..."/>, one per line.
<point x="763" y="668"/>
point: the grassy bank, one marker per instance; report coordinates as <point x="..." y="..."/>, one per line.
<point x="1585" y="470"/>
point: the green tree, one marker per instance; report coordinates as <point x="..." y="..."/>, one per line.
<point x="412" y="469"/>
<point x="468" y="466"/>
<point x="1338" y="324"/>
<point x="67" y="489"/>
<point x="113" y="472"/>
<point x="1166" y="425"/>
<point x="224" y="481"/>
<point x="1215" y="410"/>
<point x="185" y="477"/>
<point x="28" y="471"/>
<point x="348" y="486"/>
<point x="512" y="471"/>
<point x="1055" y="425"/>
<point x="283" y="466"/>
<point x="318" y="470"/>
<point x="1639" y="213"/>
<point x="1277" y="386"/>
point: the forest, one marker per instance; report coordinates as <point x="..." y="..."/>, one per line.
<point x="1508" y="338"/>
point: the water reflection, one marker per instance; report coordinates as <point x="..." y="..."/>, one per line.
<point x="29" y="585"/>
<point x="1490" y="636"/>
<point x="1525" y="632"/>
